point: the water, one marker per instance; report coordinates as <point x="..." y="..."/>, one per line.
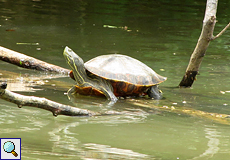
<point x="160" y="34"/>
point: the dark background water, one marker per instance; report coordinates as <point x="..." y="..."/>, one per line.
<point x="162" y="34"/>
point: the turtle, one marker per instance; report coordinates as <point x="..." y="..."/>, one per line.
<point x="112" y="76"/>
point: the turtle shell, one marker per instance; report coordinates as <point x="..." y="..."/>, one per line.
<point x="122" y="68"/>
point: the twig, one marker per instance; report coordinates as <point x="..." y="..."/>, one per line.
<point x="43" y="103"/>
<point x="218" y="35"/>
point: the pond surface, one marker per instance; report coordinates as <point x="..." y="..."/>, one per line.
<point x="161" y="34"/>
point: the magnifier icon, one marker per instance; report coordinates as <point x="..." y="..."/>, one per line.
<point x="9" y="147"/>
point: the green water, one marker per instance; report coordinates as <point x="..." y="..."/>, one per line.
<point x="162" y="34"/>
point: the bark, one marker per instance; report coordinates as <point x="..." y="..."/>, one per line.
<point x="202" y="44"/>
<point x="43" y="103"/>
<point x="25" y="61"/>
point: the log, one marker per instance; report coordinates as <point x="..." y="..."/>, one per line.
<point x="202" y="44"/>
<point x="28" y="62"/>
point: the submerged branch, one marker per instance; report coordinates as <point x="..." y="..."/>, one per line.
<point x="28" y="62"/>
<point x="216" y="117"/>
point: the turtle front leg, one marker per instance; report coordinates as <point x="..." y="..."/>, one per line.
<point x="110" y="96"/>
<point x="154" y="92"/>
<point x="108" y="92"/>
<point x="106" y="88"/>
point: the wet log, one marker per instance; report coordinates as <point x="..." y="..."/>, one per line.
<point x="203" y="42"/>
<point x="28" y="62"/>
<point x="43" y="103"/>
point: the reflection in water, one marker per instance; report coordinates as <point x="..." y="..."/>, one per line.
<point x="26" y="82"/>
<point x="107" y="152"/>
<point x="213" y="143"/>
<point x="65" y="140"/>
<point x="9" y="119"/>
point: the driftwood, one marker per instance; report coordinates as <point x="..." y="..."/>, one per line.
<point x="28" y="62"/>
<point x="203" y="42"/>
<point x="43" y="103"/>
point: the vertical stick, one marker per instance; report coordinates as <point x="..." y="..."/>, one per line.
<point x="202" y="44"/>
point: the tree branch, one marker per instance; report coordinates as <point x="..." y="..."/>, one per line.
<point x="28" y="62"/>
<point x="202" y="44"/>
<point x="218" y="35"/>
<point x="43" y="103"/>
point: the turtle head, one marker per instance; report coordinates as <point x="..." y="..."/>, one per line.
<point x="72" y="58"/>
<point x="76" y="64"/>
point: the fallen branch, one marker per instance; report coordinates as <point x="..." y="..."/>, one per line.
<point x="28" y="62"/>
<point x="43" y="103"/>
<point x="202" y="44"/>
